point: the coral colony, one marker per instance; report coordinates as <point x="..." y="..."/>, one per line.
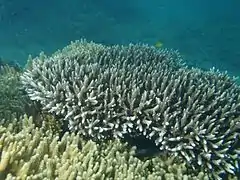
<point x="105" y="93"/>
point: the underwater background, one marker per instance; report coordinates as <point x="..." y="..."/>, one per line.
<point x="205" y="32"/>
<point x="68" y="115"/>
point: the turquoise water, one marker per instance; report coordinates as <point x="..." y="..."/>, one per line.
<point x="206" y="33"/>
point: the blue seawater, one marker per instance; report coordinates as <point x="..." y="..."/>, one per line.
<point x="207" y="33"/>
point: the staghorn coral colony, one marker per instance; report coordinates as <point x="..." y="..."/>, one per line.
<point x="39" y="153"/>
<point x="106" y="94"/>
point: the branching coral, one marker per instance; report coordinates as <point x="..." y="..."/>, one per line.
<point x="38" y="153"/>
<point x="104" y="92"/>
<point x="12" y="100"/>
<point x="71" y="87"/>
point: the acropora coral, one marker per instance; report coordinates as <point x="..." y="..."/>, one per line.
<point x="107" y="92"/>
<point x="12" y="98"/>
<point x="37" y="153"/>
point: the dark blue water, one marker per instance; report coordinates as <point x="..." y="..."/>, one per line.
<point x="207" y="33"/>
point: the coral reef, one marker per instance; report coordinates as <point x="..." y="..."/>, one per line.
<point x="29" y="152"/>
<point x="105" y="92"/>
<point x="12" y="98"/>
<point x="68" y="84"/>
<point x="12" y="64"/>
